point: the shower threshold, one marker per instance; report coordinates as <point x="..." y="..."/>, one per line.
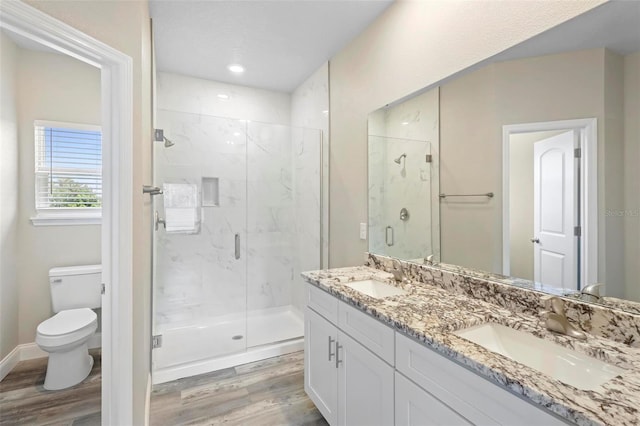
<point x="224" y="342"/>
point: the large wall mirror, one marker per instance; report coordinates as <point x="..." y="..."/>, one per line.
<point x="533" y="157"/>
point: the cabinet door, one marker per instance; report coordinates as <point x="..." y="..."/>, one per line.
<point x="320" y="372"/>
<point x="417" y="407"/>
<point x="365" y="386"/>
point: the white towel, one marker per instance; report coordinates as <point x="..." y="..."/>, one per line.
<point x="181" y="207"/>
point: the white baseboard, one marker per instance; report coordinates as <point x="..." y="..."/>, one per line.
<point x="9" y="361"/>
<point x="31" y="351"/>
<point x="28" y="351"/>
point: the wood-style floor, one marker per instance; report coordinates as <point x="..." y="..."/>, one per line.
<point x="23" y="400"/>
<point x="263" y="393"/>
<point x="268" y="392"/>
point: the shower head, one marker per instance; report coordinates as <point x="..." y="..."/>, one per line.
<point x="397" y="160"/>
<point x="167" y="143"/>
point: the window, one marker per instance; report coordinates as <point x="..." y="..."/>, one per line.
<point x="68" y="173"/>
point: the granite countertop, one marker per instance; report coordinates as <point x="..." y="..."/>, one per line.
<point x="431" y="314"/>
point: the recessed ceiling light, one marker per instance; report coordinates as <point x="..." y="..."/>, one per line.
<point x="404" y="123"/>
<point x="223" y="96"/>
<point x="236" y="68"/>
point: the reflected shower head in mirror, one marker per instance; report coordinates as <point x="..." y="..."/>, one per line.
<point x="160" y="137"/>
<point x="399" y="159"/>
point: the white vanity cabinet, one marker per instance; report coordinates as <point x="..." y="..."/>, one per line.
<point x="320" y="372"/>
<point x="360" y="372"/>
<point x="348" y="383"/>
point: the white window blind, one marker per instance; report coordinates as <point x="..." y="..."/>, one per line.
<point x="68" y="166"/>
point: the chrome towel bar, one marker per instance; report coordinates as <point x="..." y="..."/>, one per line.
<point x="488" y="194"/>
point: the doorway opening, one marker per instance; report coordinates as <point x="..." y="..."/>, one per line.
<point x="550" y="203"/>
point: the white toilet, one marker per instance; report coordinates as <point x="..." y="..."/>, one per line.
<point x="75" y="290"/>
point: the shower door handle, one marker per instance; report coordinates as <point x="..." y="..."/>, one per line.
<point x="237" y="250"/>
<point x="389" y="236"/>
<point x="157" y="220"/>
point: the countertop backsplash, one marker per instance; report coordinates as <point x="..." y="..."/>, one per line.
<point x="619" y="326"/>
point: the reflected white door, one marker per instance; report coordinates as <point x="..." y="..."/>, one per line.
<point x="554" y="212"/>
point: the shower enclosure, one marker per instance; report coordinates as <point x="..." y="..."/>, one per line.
<point x="229" y="290"/>
<point x="401" y="193"/>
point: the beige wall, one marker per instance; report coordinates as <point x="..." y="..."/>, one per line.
<point x="632" y="174"/>
<point x="611" y="234"/>
<point x="9" y="199"/>
<point x="56" y="88"/>
<point x="124" y="25"/>
<point x="474" y="109"/>
<point x="410" y="46"/>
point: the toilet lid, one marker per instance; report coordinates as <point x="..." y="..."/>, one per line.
<point x="67" y="322"/>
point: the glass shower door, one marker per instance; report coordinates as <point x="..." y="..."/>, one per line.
<point x="200" y="294"/>
<point x="283" y="177"/>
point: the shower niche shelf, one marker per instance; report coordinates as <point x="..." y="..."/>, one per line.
<point x="210" y="192"/>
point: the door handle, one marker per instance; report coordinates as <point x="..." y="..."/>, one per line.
<point x="338" y="360"/>
<point x="331" y="354"/>
<point x="535" y="240"/>
<point x="237" y="248"/>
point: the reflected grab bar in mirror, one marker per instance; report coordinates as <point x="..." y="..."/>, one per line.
<point x="488" y="194"/>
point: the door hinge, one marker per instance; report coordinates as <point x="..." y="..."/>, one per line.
<point x="428" y="158"/>
<point x="577" y="153"/>
<point x="103" y="288"/>
<point x="577" y="231"/>
<point x="156" y="341"/>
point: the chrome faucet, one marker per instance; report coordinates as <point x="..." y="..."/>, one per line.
<point x="556" y="320"/>
<point x="428" y="260"/>
<point x="398" y="272"/>
<point x="591" y="293"/>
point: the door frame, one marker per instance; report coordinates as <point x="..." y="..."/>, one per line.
<point x="117" y="203"/>
<point x="588" y="130"/>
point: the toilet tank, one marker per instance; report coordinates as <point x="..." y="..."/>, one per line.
<point x="75" y="287"/>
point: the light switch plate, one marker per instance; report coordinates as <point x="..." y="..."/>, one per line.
<point x="363" y="231"/>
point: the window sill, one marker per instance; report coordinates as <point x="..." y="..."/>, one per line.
<point x="65" y="219"/>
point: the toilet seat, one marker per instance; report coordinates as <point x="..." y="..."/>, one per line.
<point x="66" y="327"/>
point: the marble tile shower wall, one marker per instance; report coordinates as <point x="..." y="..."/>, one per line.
<point x="307" y="156"/>
<point x="601" y="321"/>
<point x="269" y="189"/>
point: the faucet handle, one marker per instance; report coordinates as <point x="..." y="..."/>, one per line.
<point x="553" y="304"/>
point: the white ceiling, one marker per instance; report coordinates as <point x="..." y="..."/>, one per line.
<point x="279" y="42"/>
<point x="614" y="25"/>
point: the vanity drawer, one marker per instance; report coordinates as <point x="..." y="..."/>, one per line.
<point x="473" y="397"/>
<point x="323" y="303"/>
<point x="371" y="333"/>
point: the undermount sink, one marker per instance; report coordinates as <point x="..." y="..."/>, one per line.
<point x="558" y="362"/>
<point x="375" y="289"/>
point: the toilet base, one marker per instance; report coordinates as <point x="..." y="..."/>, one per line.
<point x="66" y="369"/>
